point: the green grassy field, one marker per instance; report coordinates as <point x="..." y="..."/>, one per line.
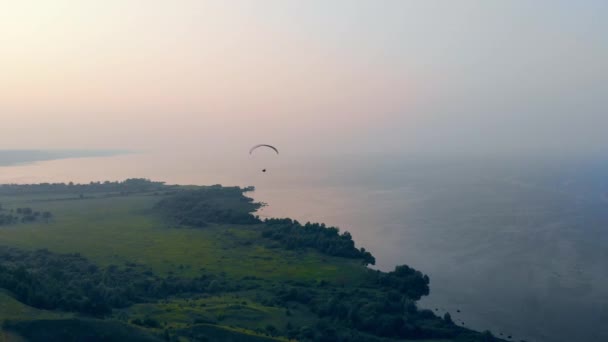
<point x="115" y="230"/>
<point x="238" y="310"/>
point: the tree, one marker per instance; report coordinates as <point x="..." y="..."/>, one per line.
<point x="47" y="216"/>
<point x="214" y="286"/>
<point x="487" y="337"/>
<point x="271" y="330"/>
<point x="448" y="318"/>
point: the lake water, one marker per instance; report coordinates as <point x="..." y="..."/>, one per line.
<point x="517" y="247"/>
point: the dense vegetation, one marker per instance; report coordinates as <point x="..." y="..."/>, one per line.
<point x="70" y="282"/>
<point x="383" y="305"/>
<point x="214" y="204"/>
<point x="133" y="185"/>
<point x="22" y="215"/>
<point x="327" y="240"/>
<point x="217" y="204"/>
<point x="130" y="297"/>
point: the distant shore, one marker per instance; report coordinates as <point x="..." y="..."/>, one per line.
<point x="20" y="157"/>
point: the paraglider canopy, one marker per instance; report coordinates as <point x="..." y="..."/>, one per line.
<point x="263" y="145"/>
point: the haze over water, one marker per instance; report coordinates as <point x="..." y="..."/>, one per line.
<point x="517" y="246"/>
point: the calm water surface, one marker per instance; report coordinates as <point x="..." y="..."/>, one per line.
<point x="517" y="247"/>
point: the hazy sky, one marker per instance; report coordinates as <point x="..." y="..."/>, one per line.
<point x="401" y="76"/>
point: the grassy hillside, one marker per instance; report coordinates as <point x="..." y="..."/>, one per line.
<point x="201" y="266"/>
<point x="12" y="309"/>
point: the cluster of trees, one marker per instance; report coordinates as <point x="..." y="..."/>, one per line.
<point x="404" y="279"/>
<point x="133" y="185"/>
<point x="6" y="219"/>
<point x="24" y="215"/>
<point x="70" y="282"/>
<point x="217" y="204"/>
<point x="327" y="240"/>
<point x="213" y="204"/>
<point x="382" y="306"/>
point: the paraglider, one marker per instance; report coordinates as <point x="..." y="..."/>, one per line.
<point x="263" y="145"/>
<point x="266" y="146"/>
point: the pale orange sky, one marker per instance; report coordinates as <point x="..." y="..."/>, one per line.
<point x="151" y="74"/>
<point x="121" y="74"/>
